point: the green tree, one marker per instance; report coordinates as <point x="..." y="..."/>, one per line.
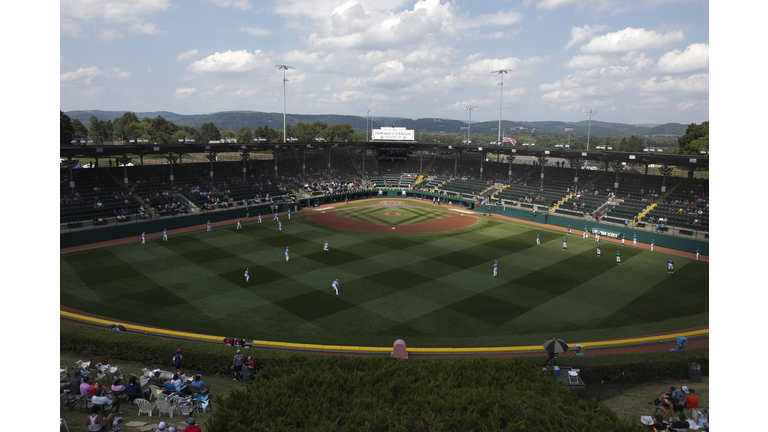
<point x="211" y="131"/>
<point x="164" y="128"/>
<point x="696" y="138"/>
<point x="244" y="136"/>
<point x="66" y="130"/>
<point x="81" y="132"/>
<point x="99" y="130"/>
<point x="123" y="129"/>
<point x="200" y="137"/>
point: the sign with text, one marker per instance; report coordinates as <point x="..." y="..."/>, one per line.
<point x="393" y="134"/>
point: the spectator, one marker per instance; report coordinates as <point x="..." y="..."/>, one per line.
<point x="663" y="403"/>
<point x="177" y="360"/>
<point x="682" y="423"/>
<point x="660" y="424"/>
<point x="74" y="383"/>
<point x="679" y="395"/>
<point x="97" y="423"/>
<point x="163" y="426"/>
<point x="85" y="386"/>
<point x="118" y="389"/>
<point x="692" y="402"/>
<point x="107" y="401"/>
<point x="198" y="382"/>
<point x="176" y="381"/>
<point x="134" y="390"/>
<point x="192" y="427"/>
<point x="237" y="366"/>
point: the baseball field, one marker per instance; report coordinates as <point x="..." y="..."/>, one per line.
<point x="428" y="281"/>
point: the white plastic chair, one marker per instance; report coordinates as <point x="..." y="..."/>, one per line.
<point x="165" y="407"/>
<point x="145" y="406"/>
<point x="63" y="423"/>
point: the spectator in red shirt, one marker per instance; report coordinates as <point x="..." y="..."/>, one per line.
<point x="692" y="402"/>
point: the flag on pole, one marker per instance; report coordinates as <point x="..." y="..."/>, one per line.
<point x="510" y="140"/>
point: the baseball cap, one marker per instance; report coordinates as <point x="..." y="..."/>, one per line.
<point x="177" y="351"/>
<point x="684" y="388"/>
<point x="162" y="425"/>
<point x="191" y="421"/>
<point x="238" y="351"/>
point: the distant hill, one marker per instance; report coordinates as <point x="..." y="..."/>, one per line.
<point x="235" y="120"/>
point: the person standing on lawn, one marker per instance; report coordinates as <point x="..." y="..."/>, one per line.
<point x="237" y="366"/>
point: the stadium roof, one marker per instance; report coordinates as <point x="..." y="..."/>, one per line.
<point x="107" y="150"/>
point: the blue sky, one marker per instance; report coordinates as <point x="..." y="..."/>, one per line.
<point x="634" y="61"/>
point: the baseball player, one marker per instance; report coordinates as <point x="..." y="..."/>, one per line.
<point x="565" y="243"/>
<point x="325" y="246"/>
<point x="598" y="250"/>
<point x="569" y="230"/>
<point x="538" y="239"/>
<point x="651" y="245"/>
<point x="634" y="240"/>
<point x="670" y="266"/>
<point x="335" y="286"/>
<point x="697" y="251"/>
<point x="208" y="228"/>
<point x="279" y="226"/>
<point x="623" y="237"/>
<point x="586" y="233"/>
<point x="597" y="236"/>
<point x="286" y="254"/>
<point x="276" y="218"/>
<point x="143" y="240"/>
<point x="239" y="226"/>
<point x="618" y="258"/>
<point x="247" y="275"/>
<point x="259" y="218"/>
<point x="495" y="268"/>
<point x="165" y="235"/>
<point x="289" y="213"/>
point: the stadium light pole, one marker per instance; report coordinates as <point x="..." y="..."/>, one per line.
<point x="501" y="73"/>
<point x="569" y="130"/>
<point x="470" y="108"/>
<point x="367" y="116"/>
<point x="590" y="112"/>
<point x="284" y="68"/>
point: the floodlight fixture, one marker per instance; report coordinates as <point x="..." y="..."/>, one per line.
<point x="589" y="112"/>
<point x="501" y="73"/>
<point x="470" y="108"/>
<point x="285" y="80"/>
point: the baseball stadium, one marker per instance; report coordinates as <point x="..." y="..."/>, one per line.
<point x="319" y="253"/>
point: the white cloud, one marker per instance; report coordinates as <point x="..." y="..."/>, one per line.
<point x="580" y="34"/>
<point x="237" y="4"/>
<point x="301" y="57"/>
<point x="108" y="34"/>
<point x="631" y="39"/>
<point x="551" y="4"/>
<point x="686" y="105"/>
<point x="429" y="55"/>
<point x="586" y="61"/>
<point x="497" y="19"/>
<point x="232" y="62"/>
<point x="149" y="29"/>
<point x="187" y="54"/>
<point x="695" y="57"/>
<point x="494" y="35"/>
<point x="184" y="92"/>
<point x="87" y="73"/>
<point x="116" y="11"/>
<point x="347" y="95"/>
<point x="698" y="83"/>
<point x="117" y="73"/>
<point x="70" y="28"/>
<point x="637" y="61"/>
<point x="257" y="31"/>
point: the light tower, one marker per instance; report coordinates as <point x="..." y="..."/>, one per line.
<point x="501" y="73"/>
<point x="590" y="112"/>
<point x="285" y="80"/>
<point x="470" y="108"/>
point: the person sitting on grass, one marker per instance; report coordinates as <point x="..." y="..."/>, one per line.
<point x="660" y="424"/>
<point x="682" y="423"/>
<point x="97" y="423"/>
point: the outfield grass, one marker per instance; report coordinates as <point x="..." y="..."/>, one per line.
<point x="431" y="289"/>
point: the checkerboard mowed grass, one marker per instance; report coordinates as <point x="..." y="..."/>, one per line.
<point x="431" y="289"/>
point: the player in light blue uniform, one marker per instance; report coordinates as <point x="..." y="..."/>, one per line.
<point x="208" y="229"/>
<point x="586" y="232"/>
<point x="259" y="218"/>
<point x="286" y="254"/>
<point x="697" y="254"/>
<point x="495" y="268"/>
<point x="165" y="235"/>
<point x="143" y="240"/>
<point x="634" y="240"/>
<point x="623" y="237"/>
<point x="335" y="286"/>
<point x="247" y="275"/>
<point x="238" y="224"/>
<point x="569" y="230"/>
<point x="618" y="258"/>
<point x="325" y="246"/>
<point x="279" y="226"/>
<point x="670" y="266"/>
<point x="651" y="245"/>
<point x="538" y="239"/>
<point x="565" y="243"/>
<point x="598" y="250"/>
<point x="289" y="213"/>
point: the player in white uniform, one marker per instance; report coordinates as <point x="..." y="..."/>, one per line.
<point x="238" y="223"/>
<point x="335" y="286"/>
<point x="495" y="268"/>
<point x="634" y="240"/>
<point x="259" y="218"/>
<point x="569" y="230"/>
<point x="286" y="254"/>
<point x="651" y="245"/>
<point x="618" y="258"/>
<point x="208" y="228"/>
<point x="623" y="237"/>
<point x="670" y="266"/>
<point x="538" y="239"/>
<point x="597" y="236"/>
<point x="289" y="214"/>
<point x="697" y="254"/>
<point x="598" y="250"/>
<point x="143" y="240"/>
<point x="165" y="235"/>
<point x="276" y="218"/>
<point x="586" y="233"/>
<point x="279" y="226"/>
<point x="565" y="243"/>
<point x="325" y="247"/>
<point x="247" y="275"/>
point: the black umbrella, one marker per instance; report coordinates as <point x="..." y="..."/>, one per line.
<point x="555" y="346"/>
